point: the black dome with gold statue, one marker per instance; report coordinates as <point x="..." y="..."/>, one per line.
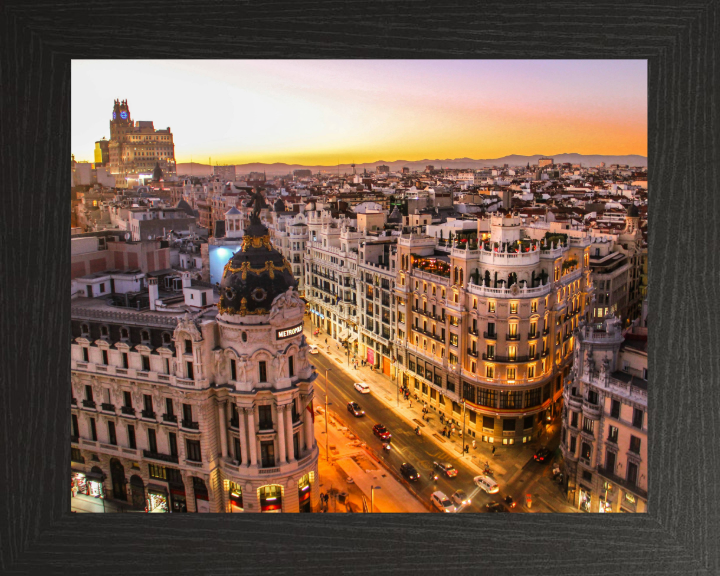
<point x="257" y="273"/>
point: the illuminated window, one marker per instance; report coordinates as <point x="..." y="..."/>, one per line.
<point x="489" y="371"/>
<point x="491" y="306"/>
<point x="513" y="307"/>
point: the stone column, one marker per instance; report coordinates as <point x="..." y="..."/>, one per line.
<point x="223" y="429"/>
<point x="243" y="437"/>
<point x="252" y="437"/>
<point x="309" y="429"/>
<point x="281" y="432"/>
<point x="289" y="433"/>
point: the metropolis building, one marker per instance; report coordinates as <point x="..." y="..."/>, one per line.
<point x="202" y="411"/>
<point x="485" y="327"/>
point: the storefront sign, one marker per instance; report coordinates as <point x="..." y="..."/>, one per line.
<point x="288" y="332"/>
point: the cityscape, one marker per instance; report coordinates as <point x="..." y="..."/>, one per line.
<point x="301" y="324"/>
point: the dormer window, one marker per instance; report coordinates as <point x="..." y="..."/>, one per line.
<point x="85" y="329"/>
<point x="166" y="338"/>
<point x="104" y="331"/>
<point x="145" y="336"/>
<point x="124" y="334"/>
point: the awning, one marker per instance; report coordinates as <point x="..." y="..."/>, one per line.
<point x="343" y="335"/>
<point x="94" y="476"/>
<point x="352" y="338"/>
<point x="157" y="488"/>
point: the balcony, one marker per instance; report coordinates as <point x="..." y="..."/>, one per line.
<point x="490" y="335"/>
<point x="148" y="414"/>
<point x="89" y="403"/>
<point x="235" y="422"/>
<point x="169" y="418"/>
<point x="473" y="332"/>
<point x="509" y="359"/>
<point x="161" y="457"/>
<point x="634" y="488"/>
<point x="129" y="410"/>
<point x="189" y="424"/>
<point x="591" y="410"/>
<point x="533" y="335"/>
<point x="473" y="353"/>
<point x="512" y="337"/>
<point x="74" y="438"/>
<point x="546" y="332"/>
<point x="544" y="353"/>
<point x="107" y="407"/>
<point x="574" y="402"/>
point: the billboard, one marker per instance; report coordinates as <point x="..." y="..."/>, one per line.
<point x="219" y="256"/>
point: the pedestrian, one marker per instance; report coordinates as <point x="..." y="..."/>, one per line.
<point x="467" y="448"/>
<point x="325" y="340"/>
<point x="410" y="403"/>
<point x="493" y="451"/>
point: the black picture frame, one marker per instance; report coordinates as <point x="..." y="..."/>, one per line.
<point x="679" y="535"/>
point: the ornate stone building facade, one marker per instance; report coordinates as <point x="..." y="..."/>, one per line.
<point x="210" y="412"/>
<point x="604" y="434"/>
<point x="137" y="147"/>
<point x="485" y="328"/>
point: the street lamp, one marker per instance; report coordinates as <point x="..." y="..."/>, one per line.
<point x="372" y="497"/>
<point x="327" y="390"/>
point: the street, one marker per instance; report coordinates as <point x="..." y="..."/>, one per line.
<point x="419" y="451"/>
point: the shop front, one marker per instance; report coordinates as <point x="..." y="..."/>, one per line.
<point x="304" y="493"/>
<point x="177" y="497"/>
<point x="157" y="501"/>
<point x="371" y="356"/>
<point x="202" y="499"/>
<point x="585" y="499"/>
<point x="88" y="483"/>
<point x="270" y="498"/>
<point x="235" y="497"/>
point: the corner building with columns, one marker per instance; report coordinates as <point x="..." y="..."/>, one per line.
<point x="208" y="411"/>
<point x="485" y="325"/>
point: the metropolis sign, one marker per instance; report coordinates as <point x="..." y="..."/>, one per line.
<point x="288" y="332"/>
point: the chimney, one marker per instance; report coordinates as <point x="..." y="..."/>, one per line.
<point x="153" y="291"/>
<point x="186" y="283"/>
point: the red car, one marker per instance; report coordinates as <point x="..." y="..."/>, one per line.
<point x="381" y="432"/>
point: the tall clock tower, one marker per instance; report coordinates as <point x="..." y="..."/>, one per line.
<point x="121" y="120"/>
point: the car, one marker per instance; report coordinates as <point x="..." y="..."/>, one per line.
<point x="446" y="468"/>
<point x="461" y="498"/>
<point x="496" y="507"/>
<point x="355" y="410"/>
<point x="542" y="455"/>
<point x="314" y="349"/>
<point x="487" y="484"/>
<point x="409" y="472"/>
<point x="381" y="432"/>
<point x="442" y="502"/>
<point x="509" y="502"/>
<point x="362" y="387"/>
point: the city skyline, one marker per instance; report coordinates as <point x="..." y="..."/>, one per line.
<point x="325" y="112"/>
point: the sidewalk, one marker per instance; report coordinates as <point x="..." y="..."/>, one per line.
<point x="354" y="470"/>
<point x="83" y="504"/>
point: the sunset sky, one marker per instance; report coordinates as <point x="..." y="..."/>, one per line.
<point x="328" y="111"/>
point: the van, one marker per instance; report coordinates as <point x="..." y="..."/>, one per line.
<point x="487" y="484"/>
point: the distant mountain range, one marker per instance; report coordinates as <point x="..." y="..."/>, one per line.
<point x="279" y="168"/>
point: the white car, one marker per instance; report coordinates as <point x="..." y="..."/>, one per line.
<point x="461" y="498"/>
<point x="442" y="502"/>
<point x="486" y="483"/>
<point x="314" y="349"/>
<point x="362" y="387"/>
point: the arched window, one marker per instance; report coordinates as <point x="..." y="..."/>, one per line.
<point x="85" y="329"/>
<point x="124" y="333"/>
<point x="104" y="331"/>
<point x="145" y="336"/>
<point x="166" y="338"/>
